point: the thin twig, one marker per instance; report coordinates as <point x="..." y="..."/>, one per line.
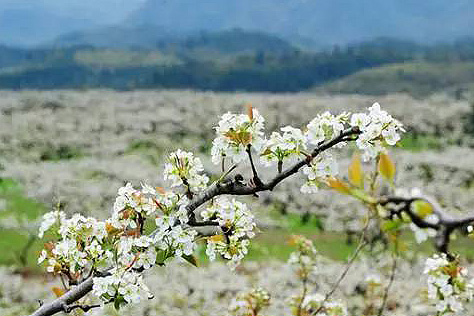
<point x="361" y="245"/>
<point x="392" y="278"/>
<point x="256" y="180"/>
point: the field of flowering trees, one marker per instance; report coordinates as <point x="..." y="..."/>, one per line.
<point x="338" y="211"/>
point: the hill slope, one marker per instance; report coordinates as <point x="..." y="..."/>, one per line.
<point x="417" y="79"/>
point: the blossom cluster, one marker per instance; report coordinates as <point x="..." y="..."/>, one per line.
<point x="377" y="127"/>
<point x="313" y="302"/>
<point x="283" y="146"/>
<point x="237" y="224"/>
<point x="116" y="250"/>
<point x="448" y="284"/>
<point x="79" y="247"/>
<point x="250" y="303"/>
<point x="183" y="168"/>
<point x="304" y="258"/>
<point x="235" y="133"/>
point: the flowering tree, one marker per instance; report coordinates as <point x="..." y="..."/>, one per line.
<point x="152" y="225"/>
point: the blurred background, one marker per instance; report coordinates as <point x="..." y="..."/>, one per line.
<point x="267" y="45"/>
<point x="97" y="93"/>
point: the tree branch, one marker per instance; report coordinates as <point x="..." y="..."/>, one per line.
<point x="62" y="304"/>
<point x="231" y="187"/>
<point x="445" y="225"/>
<point x="236" y="187"/>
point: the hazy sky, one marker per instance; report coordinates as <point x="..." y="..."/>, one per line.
<point x="105" y="10"/>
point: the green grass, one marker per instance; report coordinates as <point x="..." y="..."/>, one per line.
<point x="22" y="208"/>
<point x="418" y="143"/>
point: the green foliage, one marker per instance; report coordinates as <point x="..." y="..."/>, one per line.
<point x="415" y="78"/>
<point x="20" y="209"/>
<point x="238" y="60"/>
<point x="416" y="142"/>
<point x="61" y="152"/>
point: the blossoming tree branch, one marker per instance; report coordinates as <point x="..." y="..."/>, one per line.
<point x="152" y="225"/>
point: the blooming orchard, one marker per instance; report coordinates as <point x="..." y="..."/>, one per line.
<point x="152" y="225"/>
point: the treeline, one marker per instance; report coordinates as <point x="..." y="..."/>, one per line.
<point x="211" y="62"/>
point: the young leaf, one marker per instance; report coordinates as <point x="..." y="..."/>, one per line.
<point x="386" y="167"/>
<point x="356" y="174"/>
<point x="422" y="208"/>
<point x="338" y="185"/>
<point x="57" y="291"/>
<point x="249" y="111"/>
<point x="216" y="238"/>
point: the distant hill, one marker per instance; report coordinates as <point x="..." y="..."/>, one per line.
<point x="238" y="60"/>
<point x="153" y="37"/>
<point x="142" y="36"/>
<point x="320" y="23"/>
<point x="418" y="79"/>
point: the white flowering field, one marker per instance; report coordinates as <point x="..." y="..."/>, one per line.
<point x="372" y="189"/>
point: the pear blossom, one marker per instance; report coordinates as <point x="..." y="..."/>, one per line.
<point x="283" y="146"/>
<point x="325" y="126"/>
<point x="320" y="168"/>
<point x="49" y="219"/>
<point x="447" y="284"/>
<point x="183" y="169"/>
<point x="235" y="132"/>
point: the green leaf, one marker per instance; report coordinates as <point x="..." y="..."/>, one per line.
<point x="119" y="300"/>
<point x="161" y="256"/>
<point x="191" y="259"/>
<point x="391" y="225"/>
<point x="422" y="208"/>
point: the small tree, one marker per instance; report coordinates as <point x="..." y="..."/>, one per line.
<point x="151" y="226"/>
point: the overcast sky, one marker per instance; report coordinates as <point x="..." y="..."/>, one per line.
<point x="106" y="10"/>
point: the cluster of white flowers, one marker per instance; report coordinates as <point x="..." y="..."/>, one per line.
<point x="183" y="169"/>
<point x="250" y="303"/>
<point x="129" y="205"/>
<point x="448" y="284"/>
<point x="234" y="133"/>
<point x="237" y="223"/>
<point x="325" y="126"/>
<point x="377" y="127"/>
<point x="122" y="287"/>
<point x="283" y="146"/>
<point x="79" y="245"/>
<point x="49" y="219"/>
<point x="304" y="258"/>
<point x="321" y="168"/>
<point x="311" y="303"/>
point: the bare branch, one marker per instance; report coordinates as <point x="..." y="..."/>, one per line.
<point x="61" y="304"/>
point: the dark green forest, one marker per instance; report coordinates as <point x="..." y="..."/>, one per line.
<point x="232" y="60"/>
